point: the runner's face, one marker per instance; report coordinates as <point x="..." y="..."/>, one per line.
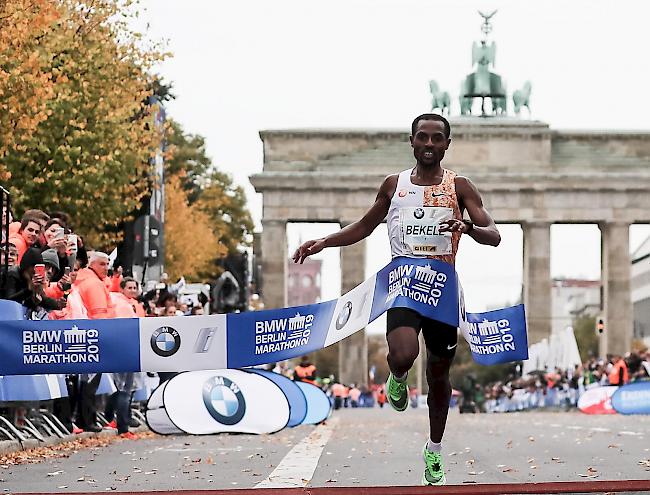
<point x="429" y="142"/>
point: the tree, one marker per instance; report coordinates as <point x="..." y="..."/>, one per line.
<point x="225" y="203"/>
<point x="584" y="329"/>
<point x="210" y="190"/>
<point x="90" y="155"/>
<point x="191" y="244"/>
<point x="25" y="89"/>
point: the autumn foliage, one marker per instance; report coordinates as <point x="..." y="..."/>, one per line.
<point x="75" y="131"/>
<point x="191" y="243"/>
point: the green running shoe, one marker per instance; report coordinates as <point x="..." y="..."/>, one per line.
<point x="397" y="392"/>
<point x="434" y="472"/>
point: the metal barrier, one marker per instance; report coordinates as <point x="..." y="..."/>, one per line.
<point x="5" y="202"/>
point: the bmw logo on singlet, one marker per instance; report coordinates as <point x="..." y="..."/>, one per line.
<point x="224" y="400"/>
<point x="344" y="315"/>
<point x="418" y="213"/>
<point x="165" y="341"/>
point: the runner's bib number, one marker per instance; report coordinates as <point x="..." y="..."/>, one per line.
<point x="420" y="229"/>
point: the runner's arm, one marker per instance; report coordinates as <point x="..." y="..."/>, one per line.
<point x="357" y="230"/>
<point x="484" y="230"/>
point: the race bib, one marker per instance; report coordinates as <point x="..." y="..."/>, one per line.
<point x="420" y="230"/>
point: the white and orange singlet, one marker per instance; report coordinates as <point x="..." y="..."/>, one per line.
<point x="416" y="214"/>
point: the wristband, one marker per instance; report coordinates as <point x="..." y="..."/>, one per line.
<point x="470" y="225"/>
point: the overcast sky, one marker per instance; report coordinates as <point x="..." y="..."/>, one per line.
<point x="243" y="66"/>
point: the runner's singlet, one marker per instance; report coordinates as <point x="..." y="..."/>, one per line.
<point x="415" y="215"/>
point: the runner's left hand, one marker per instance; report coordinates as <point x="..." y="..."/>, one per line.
<point x="454" y="225"/>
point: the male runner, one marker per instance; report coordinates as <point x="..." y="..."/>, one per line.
<point x="448" y="196"/>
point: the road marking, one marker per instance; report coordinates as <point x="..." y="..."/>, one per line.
<point x="298" y="466"/>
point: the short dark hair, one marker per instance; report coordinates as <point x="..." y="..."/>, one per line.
<point x="38" y="214"/>
<point x="27" y="219"/>
<point x="431" y="116"/>
<point x="126" y="280"/>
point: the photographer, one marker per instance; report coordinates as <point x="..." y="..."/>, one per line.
<point x="26" y="284"/>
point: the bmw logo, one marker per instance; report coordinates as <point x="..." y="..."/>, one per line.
<point x="418" y="213"/>
<point x="344" y="315"/>
<point x="165" y="341"/>
<point x="223" y="400"/>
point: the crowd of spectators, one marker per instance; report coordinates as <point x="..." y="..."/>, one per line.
<point x="556" y="388"/>
<point x="55" y="275"/>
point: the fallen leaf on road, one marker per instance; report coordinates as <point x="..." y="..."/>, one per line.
<point x="531" y="460"/>
<point x="531" y="439"/>
<point x="509" y="444"/>
<point x="588" y="475"/>
<point x="330" y="481"/>
<point x="55" y="473"/>
<point x="507" y="470"/>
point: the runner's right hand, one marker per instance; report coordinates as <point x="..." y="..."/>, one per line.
<point x="307" y="249"/>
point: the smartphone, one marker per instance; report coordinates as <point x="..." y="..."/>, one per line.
<point x="59" y="233"/>
<point x="72" y="242"/>
<point x="66" y="270"/>
<point x="39" y="269"/>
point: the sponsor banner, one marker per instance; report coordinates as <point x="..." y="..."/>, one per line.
<point x="633" y="398"/>
<point x="597" y="400"/>
<point x="237" y="340"/>
<point x="260" y="337"/>
<point x="183" y="343"/>
<point x="426" y="286"/>
<point x="221" y="401"/>
<point x="68" y="346"/>
<point x="318" y="404"/>
<point x="295" y="397"/>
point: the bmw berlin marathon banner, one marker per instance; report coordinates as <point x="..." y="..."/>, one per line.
<point x="238" y="340"/>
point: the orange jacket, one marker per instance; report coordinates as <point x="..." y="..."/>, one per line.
<point x="305" y="373"/>
<point x="125" y="307"/>
<point x="615" y="374"/>
<point x="20" y="243"/>
<point x="94" y="294"/>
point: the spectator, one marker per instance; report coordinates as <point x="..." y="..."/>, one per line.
<point x="170" y="310"/>
<point x="125" y="302"/>
<point x="305" y="371"/>
<point x="92" y="288"/>
<point x="55" y="290"/>
<point x="27" y="288"/>
<point x="197" y="310"/>
<point x="9" y="255"/>
<point x="38" y="216"/>
<point x="355" y="393"/>
<point x="619" y="373"/>
<point x="54" y="238"/>
<point x="96" y="299"/>
<point x="26" y="236"/>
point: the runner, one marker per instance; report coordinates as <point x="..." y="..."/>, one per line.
<point x="423" y="208"/>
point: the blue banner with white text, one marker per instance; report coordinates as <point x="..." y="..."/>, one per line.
<point x="187" y="343"/>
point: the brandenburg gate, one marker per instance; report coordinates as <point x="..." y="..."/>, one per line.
<point x="527" y="173"/>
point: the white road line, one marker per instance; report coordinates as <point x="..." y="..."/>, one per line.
<point x="298" y="466"/>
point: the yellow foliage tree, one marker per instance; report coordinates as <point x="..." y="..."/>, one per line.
<point x="90" y="138"/>
<point x="191" y="244"/>
<point x="25" y="88"/>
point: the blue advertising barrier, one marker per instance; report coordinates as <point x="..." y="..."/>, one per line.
<point x="239" y="340"/>
<point x="297" y="400"/>
<point x="318" y="404"/>
<point x="633" y="398"/>
<point x="32" y="388"/>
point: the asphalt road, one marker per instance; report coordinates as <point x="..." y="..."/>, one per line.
<point x="358" y="447"/>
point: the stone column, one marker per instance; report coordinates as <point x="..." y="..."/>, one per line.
<point x="617" y="300"/>
<point x="353" y="351"/>
<point x="537" y="280"/>
<point x="274" y="263"/>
